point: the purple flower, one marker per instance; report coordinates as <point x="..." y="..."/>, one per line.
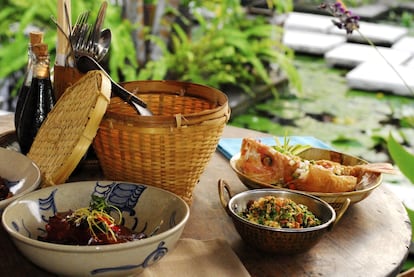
<point x="344" y="18"/>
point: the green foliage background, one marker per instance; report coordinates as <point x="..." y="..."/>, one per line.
<point x="229" y="48"/>
<point x="18" y="17"/>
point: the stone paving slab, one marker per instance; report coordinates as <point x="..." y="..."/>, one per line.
<point x="308" y="22"/>
<point x="311" y="42"/>
<point x="309" y="33"/>
<point x="349" y="55"/>
<point x="404" y="44"/>
<point x="371" y="12"/>
<point x="368" y="12"/>
<point x="410" y="63"/>
<point x="374" y="76"/>
<point x="408" y="7"/>
<point x="379" y="34"/>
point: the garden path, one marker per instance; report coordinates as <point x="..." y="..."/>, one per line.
<point x="315" y="34"/>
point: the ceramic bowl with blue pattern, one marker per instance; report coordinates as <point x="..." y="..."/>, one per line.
<point x="143" y="209"/>
<point x="20" y="173"/>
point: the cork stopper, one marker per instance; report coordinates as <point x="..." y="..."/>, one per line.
<point x="36" y="37"/>
<point x="40" y="49"/>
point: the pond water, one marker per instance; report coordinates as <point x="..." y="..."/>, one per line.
<point x="356" y="122"/>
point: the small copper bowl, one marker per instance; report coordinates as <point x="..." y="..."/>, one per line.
<point x="279" y="240"/>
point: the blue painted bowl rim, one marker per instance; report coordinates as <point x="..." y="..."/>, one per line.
<point x="90" y="248"/>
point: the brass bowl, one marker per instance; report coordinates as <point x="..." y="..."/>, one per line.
<point x="336" y="200"/>
<point x="279" y="240"/>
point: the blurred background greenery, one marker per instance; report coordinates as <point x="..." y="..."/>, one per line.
<point x="210" y="42"/>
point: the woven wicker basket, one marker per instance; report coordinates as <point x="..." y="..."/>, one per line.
<point x="170" y="149"/>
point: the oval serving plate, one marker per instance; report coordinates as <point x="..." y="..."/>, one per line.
<point x="336" y="200"/>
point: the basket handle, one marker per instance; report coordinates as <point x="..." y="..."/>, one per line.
<point x="222" y="187"/>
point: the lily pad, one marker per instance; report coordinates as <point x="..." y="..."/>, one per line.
<point x="352" y="121"/>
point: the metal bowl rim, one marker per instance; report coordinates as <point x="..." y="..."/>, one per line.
<point x="263" y="192"/>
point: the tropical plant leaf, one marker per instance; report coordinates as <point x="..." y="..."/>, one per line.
<point x="402" y="158"/>
<point x="261" y="31"/>
<point x="411" y="216"/>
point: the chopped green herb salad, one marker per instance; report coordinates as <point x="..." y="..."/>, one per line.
<point x="279" y="212"/>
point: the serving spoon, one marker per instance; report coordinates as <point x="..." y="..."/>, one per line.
<point x="103" y="44"/>
<point x="87" y="63"/>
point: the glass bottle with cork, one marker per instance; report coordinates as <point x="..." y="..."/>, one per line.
<point x="39" y="101"/>
<point x="35" y="37"/>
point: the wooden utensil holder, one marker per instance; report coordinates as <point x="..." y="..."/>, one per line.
<point x="64" y="77"/>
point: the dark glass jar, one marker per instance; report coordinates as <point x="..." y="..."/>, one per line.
<point x="35" y="37"/>
<point x="39" y="101"/>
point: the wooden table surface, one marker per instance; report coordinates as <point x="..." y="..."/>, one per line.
<point x="372" y="238"/>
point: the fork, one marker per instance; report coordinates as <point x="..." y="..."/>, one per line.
<point x="85" y="38"/>
<point x="79" y="35"/>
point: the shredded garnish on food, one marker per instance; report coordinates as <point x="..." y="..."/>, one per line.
<point x="98" y="217"/>
<point x="279" y="212"/>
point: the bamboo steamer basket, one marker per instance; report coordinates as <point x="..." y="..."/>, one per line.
<point x="69" y="129"/>
<point x="170" y="149"/>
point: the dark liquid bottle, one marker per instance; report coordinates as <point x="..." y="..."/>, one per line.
<point x="39" y="101"/>
<point x="34" y="38"/>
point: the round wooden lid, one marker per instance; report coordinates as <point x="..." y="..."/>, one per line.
<point x="70" y="128"/>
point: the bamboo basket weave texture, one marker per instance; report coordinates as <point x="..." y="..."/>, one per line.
<point x="69" y="129"/>
<point x="170" y="149"/>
